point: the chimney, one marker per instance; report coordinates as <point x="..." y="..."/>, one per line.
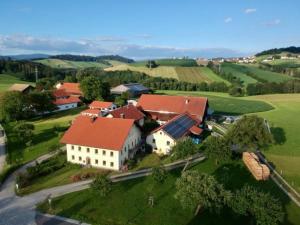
<point x="187" y="101"/>
<point x="122" y="115"/>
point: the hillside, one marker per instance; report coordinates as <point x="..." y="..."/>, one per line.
<point x="7" y="80"/>
<point x="168" y="62"/>
<point x="87" y="58"/>
<point x="188" y="74"/>
<point x="292" y="49"/>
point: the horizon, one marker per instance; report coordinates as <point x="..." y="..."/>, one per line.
<point x="139" y="30"/>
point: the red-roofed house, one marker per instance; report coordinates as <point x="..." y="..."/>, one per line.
<point x="165" y="107"/>
<point x="72" y="89"/>
<point x="64" y="101"/>
<point x="166" y="136"/>
<point x="101" y="142"/>
<point x="103" y="106"/>
<point x="128" y="112"/>
<point x="91" y="112"/>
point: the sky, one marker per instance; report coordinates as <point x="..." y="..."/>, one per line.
<point x="148" y="29"/>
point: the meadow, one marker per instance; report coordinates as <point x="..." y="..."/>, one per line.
<point x="66" y="64"/>
<point x="168" y="62"/>
<point x="7" y="80"/>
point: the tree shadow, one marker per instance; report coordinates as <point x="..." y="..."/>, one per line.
<point x="279" y="135"/>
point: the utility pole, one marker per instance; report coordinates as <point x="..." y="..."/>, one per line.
<point x="36" y="74"/>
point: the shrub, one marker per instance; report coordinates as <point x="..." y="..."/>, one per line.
<point x="101" y="184"/>
<point x="159" y="174"/>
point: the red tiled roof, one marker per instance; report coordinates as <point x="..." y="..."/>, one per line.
<point x="101" y="132"/>
<point x="60" y="93"/>
<point x="196" y="130"/>
<point x="129" y="112"/>
<point x="100" y="104"/>
<point x="71" y="88"/>
<point x="91" y="111"/>
<point x="69" y="100"/>
<point x="173" y="104"/>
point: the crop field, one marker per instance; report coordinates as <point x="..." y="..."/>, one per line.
<point x="188" y="74"/>
<point x="236" y="71"/>
<point x="169" y="62"/>
<point x="7" y="80"/>
<point x="66" y="64"/>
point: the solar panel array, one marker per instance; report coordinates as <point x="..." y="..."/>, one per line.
<point x="179" y="127"/>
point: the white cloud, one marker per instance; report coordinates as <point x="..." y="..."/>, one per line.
<point x="271" y="23"/>
<point x="250" y="10"/>
<point x="228" y="20"/>
<point x="25" y="44"/>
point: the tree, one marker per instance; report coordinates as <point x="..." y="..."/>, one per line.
<point x="151" y="64"/>
<point x="24" y="131"/>
<point x="122" y="99"/>
<point x="265" y="209"/>
<point x="249" y="133"/>
<point x="101" y="184"/>
<point x="218" y="149"/>
<point x="236" y="91"/>
<point x="202" y="190"/>
<point x="159" y="174"/>
<point x="184" y="148"/>
<point x="14" y="106"/>
<point x="41" y="101"/>
<point x="93" y="88"/>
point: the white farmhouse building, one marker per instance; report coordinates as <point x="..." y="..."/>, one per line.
<point x="64" y="101"/>
<point x="166" y="136"/>
<point x="104" y="107"/>
<point x="102" y="142"/>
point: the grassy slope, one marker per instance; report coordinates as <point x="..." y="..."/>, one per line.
<point x="235" y="70"/>
<point x="188" y="74"/>
<point x="223" y="103"/>
<point x="58" y="63"/>
<point x="128" y="201"/>
<point x="7" y="80"/>
<point x="44" y="137"/>
<point x="169" y="62"/>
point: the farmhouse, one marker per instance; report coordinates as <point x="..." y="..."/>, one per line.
<point x="72" y="89"/>
<point x="64" y="101"/>
<point x="103" y="106"/>
<point x="164" y="107"/>
<point x="128" y="112"/>
<point x="134" y="89"/>
<point x="101" y="142"/>
<point x="165" y="137"/>
<point x="91" y="112"/>
<point x="24" y="88"/>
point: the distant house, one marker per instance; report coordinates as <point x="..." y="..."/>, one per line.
<point x="104" y="107"/>
<point x="134" y="89"/>
<point x="128" y="112"/>
<point x="162" y="108"/>
<point x="72" y="89"/>
<point x="24" y="88"/>
<point x="64" y="101"/>
<point x="91" y="112"/>
<point x="166" y="136"/>
<point x="101" y="142"/>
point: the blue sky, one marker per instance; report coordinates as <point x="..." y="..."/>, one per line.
<point x="148" y="29"/>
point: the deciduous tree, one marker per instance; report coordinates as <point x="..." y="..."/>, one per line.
<point x="217" y="148"/>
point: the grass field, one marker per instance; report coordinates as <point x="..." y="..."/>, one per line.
<point x="7" y="80"/>
<point x="66" y="64"/>
<point x="236" y="71"/>
<point x="222" y="103"/>
<point x="128" y="201"/>
<point x="45" y="136"/>
<point x="188" y="74"/>
<point x="168" y="62"/>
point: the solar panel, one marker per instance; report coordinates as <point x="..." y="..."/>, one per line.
<point x="179" y="127"/>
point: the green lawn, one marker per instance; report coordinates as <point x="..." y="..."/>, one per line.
<point x="128" y="201"/>
<point x="237" y="71"/>
<point x="224" y="104"/>
<point x="59" y="63"/>
<point x="45" y="136"/>
<point x="7" y="80"/>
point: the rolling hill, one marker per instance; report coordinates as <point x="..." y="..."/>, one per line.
<point x="168" y="62"/>
<point x="188" y="74"/>
<point x="7" y="80"/>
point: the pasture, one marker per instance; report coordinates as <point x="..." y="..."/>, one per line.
<point x="66" y="64"/>
<point x="168" y="62"/>
<point x="7" y="80"/>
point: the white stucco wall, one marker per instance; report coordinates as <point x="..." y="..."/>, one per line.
<point x="109" y="156"/>
<point x="163" y="142"/>
<point x="66" y="106"/>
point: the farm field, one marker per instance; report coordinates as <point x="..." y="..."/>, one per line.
<point x="66" y="64"/>
<point x="169" y="62"/>
<point x="7" y="80"/>
<point x="222" y="103"/>
<point x="128" y="201"/>
<point x="188" y="74"/>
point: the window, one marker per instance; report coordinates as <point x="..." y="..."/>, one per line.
<point x="87" y="150"/>
<point x="80" y="158"/>
<point x="111" y="154"/>
<point x="153" y="140"/>
<point x="79" y="148"/>
<point x="72" y="147"/>
<point x="104" y="163"/>
<point x="96" y="161"/>
<point x="96" y="151"/>
<point x="103" y="152"/>
<point x="73" y="157"/>
<point x="111" y="164"/>
<point x="168" y="143"/>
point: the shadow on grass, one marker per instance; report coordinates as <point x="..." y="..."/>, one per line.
<point x="279" y="135"/>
